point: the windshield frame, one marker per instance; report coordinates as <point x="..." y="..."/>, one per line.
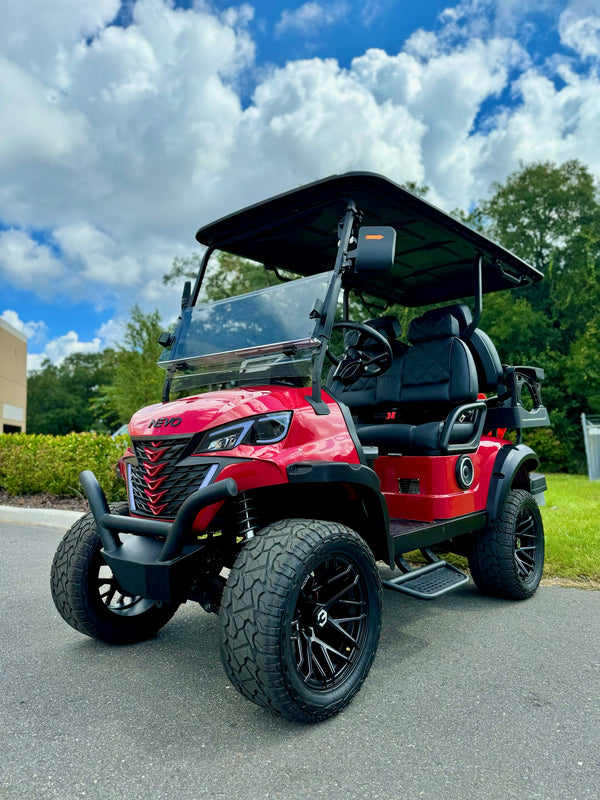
<point x="226" y="356"/>
<point x="202" y="352"/>
<point x="324" y="314"/>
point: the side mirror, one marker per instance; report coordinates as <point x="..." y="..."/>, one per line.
<point x="376" y="249"/>
<point x="166" y="339"/>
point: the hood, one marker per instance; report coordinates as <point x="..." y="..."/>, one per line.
<point x="203" y="411"/>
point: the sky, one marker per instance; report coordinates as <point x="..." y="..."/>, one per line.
<point x="125" y="126"/>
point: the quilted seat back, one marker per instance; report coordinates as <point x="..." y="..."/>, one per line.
<point x="438" y="369"/>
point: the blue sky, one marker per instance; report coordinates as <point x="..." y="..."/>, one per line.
<point x="125" y="126"/>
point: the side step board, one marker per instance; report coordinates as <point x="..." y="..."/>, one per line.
<point x="430" y="581"/>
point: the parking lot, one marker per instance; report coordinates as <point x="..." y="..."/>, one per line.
<point x="468" y="697"/>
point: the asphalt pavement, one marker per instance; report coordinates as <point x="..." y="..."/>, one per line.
<point x="468" y="698"/>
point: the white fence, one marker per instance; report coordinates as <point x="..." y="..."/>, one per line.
<point x="591" y="437"/>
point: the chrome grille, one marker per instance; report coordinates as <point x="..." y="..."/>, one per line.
<point x="158" y="483"/>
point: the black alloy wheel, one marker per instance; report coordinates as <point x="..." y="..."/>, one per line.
<point x="88" y="595"/>
<point x="507" y="558"/>
<point x="526" y="544"/>
<point x="300" y="617"/>
<point x="106" y="588"/>
<point x="330" y="625"/>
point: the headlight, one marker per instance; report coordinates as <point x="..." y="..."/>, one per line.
<point x="267" y="429"/>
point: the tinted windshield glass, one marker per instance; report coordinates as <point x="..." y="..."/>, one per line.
<point x="262" y="332"/>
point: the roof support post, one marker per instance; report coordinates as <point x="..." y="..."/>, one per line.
<point x="323" y="331"/>
<point x="203" y="264"/>
<point x="478" y="295"/>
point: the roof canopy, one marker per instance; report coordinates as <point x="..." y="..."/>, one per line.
<point x="435" y="253"/>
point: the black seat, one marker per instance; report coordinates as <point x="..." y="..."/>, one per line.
<point x="490" y="372"/>
<point x="437" y="391"/>
<point x="438" y="370"/>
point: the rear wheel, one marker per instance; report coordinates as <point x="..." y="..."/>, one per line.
<point x="89" y="597"/>
<point x="301" y="615"/>
<point x="507" y="559"/>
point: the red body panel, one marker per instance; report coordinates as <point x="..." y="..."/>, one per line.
<point x="311" y="436"/>
<point x="440" y="496"/>
<point x="314" y="437"/>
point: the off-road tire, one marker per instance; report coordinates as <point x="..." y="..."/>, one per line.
<point x="75" y="586"/>
<point x="501" y="560"/>
<point x="265" y="615"/>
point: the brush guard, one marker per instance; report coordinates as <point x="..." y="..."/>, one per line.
<point x="156" y="563"/>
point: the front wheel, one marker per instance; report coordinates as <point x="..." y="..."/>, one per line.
<point x="89" y="597"/>
<point x="301" y="615"/>
<point x="507" y="559"/>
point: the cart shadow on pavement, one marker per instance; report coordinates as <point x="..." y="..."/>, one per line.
<point x="181" y="667"/>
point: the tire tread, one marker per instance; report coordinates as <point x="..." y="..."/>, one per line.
<point x="253" y="605"/>
<point x="70" y="592"/>
<point x="491" y="558"/>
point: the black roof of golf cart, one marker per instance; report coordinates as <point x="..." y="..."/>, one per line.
<point x="435" y="253"/>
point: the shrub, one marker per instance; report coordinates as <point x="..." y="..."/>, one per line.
<point x="32" y="463"/>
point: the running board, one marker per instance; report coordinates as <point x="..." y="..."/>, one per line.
<point x="428" y="582"/>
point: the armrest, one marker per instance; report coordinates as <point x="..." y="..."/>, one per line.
<point x="480" y="409"/>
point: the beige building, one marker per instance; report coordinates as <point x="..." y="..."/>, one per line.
<point x="13" y="379"/>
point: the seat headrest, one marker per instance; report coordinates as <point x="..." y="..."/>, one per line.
<point x="440" y="326"/>
<point x="389" y="326"/>
<point x="460" y="311"/>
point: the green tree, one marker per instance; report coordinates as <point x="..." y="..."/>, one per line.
<point x="226" y="276"/>
<point x="60" y="398"/>
<point x="544" y="212"/>
<point x="549" y="215"/>
<point x="136" y="379"/>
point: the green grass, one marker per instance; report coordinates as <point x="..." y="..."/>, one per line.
<point x="571" y="519"/>
<point x="572" y="526"/>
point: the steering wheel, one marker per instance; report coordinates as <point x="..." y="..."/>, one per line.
<point x="356" y="362"/>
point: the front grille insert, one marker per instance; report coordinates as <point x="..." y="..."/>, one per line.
<point x="159" y="482"/>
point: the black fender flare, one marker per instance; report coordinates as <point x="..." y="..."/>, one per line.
<point x="510" y="459"/>
<point x="365" y="482"/>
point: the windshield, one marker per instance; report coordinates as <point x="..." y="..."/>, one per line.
<point x="253" y="338"/>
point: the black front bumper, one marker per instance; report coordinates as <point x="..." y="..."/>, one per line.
<point x="157" y="568"/>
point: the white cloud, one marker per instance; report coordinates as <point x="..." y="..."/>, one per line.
<point x="119" y="143"/>
<point x="34" y="34"/>
<point x="442" y="93"/>
<point x="311" y="119"/>
<point x="123" y="135"/>
<point x="112" y="332"/>
<point x="482" y="18"/>
<point x="28" y="264"/>
<point x="98" y="255"/>
<point x="34" y="128"/>
<point x="61" y="347"/>
<point x="579" y="28"/>
<point x="549" y="123"/>
<point x="311" y="17"/>
<point x="34" y="331"/>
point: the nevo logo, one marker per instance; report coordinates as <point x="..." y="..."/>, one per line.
<point x="165" y="422"/>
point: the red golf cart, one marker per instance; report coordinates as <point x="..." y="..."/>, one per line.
<point x="279" y="469"/>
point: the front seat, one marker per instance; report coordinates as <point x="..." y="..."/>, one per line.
<point x="439" y="381"/>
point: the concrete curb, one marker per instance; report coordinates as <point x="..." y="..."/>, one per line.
<point x="49" y="517"/>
